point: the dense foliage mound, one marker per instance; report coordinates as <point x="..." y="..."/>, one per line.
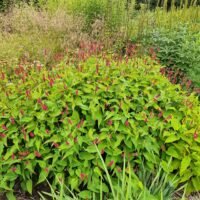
<point x="51" y="121"/>
<point x="179" y="48"/>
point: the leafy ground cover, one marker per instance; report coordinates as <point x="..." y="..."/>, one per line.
<point x="179" y="49"/>
<point x="52" y="119"/>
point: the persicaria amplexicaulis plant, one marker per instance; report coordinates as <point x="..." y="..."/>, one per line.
<point x="53" y="119"/>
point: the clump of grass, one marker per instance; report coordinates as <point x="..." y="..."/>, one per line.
<point x="29" y="34"/>
<point x="128" y="186"/>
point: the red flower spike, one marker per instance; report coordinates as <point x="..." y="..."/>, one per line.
<point x="169" y="117"/>
<point x="82" y="176"/>
<point x="75" y="140"/>
<point x="119" y="169"/>
<point x="12" y="120"/>
<point x="23" y="153"/>
<point x="111" y="163"/>
<point x="51" y="82"/>
<point x="39" y="67"/>
<point x="44" y="107"/>
<point x="47" y="131"/>
<point x="13" y="156"/>
<point x="110" y="122"/>
<point x="28" y="93"/>
<point x="56" y="145"/>
<point x="107" y="62"/>
<point x="195" y="135"/>
<point x="188" y="84"/>
<point x="2" y="135"/>
<point x="80" y="124"/>
<point x="39" y="101"/>
<point x="4" y="127"/>
<point x="2" y="76"/>
<point x="13" y="169"/>
<point x="160" y="114"/>
<point x="23" y="130"/>
<point x="32" y="135"/>
<point x="76" y="92"/>
<point x="66" y="110"/>
<point x="37" y="154"/>
<point x="127" y="123"/>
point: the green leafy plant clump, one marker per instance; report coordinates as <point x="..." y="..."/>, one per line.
<point x="179" y="48"/>
<point x="52" y="121"/>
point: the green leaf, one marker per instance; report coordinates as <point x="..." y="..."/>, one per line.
<point x="171" y="138"/>
<point x="42" y="177"/>
<point x="119" y="139"/>
<point x="172" y="151"/>
<point x="196" y="183"/>
<point x="41" y="115"/>
<point x="41" y="163"/>
<point x="29" y="186"/>
<point x="186" y="176"/>
<point x="98" y="171"/>
<point x="26" y="119"/>
<point x="10" y="196"/>
<point x="73" y="182"/>
<point x="184" y="164"/>
<point x="86" y="156"/>
<point x="175" y="124"/>
<point x="91" y="149"/>
<point x="85" y="194"/>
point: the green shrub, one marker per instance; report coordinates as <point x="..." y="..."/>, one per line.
<point x="5" y="4"/>
<point x="51" y="119"/>
<point x="91" y="10"/>
<point x="179" y="48"/>
<point x="114" y="13"/>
